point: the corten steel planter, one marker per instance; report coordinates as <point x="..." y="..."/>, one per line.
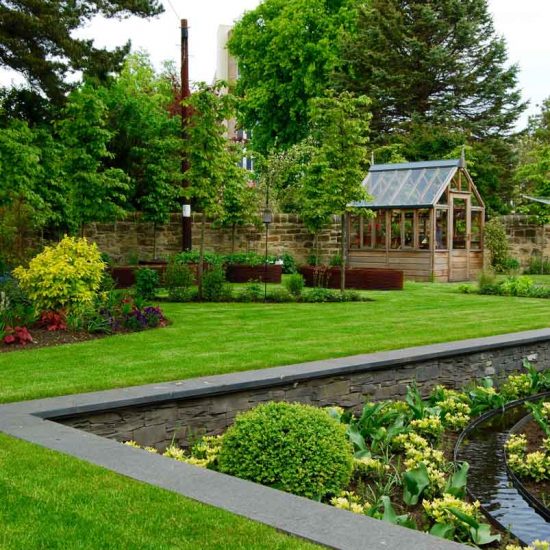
<point x="358" y="278"/>
<point x="240" y="273"/>
<point x="125" y="275"/>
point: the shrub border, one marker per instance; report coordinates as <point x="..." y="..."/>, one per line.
<point x="322" y="524"/>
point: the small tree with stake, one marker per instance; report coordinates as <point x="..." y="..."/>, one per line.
<point x="332" y="180"/>
<point x="240" y="195"/>
<point x="211" y="161"/>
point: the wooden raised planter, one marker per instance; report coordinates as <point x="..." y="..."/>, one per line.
<point x="239" y="273"/>
<point x="358" y="278"/>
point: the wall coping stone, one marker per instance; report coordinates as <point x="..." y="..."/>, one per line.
<point x="31" y="421"/>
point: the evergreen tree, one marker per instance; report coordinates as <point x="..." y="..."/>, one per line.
<point x="37" y="39"/>
<point x="439" y="62"/>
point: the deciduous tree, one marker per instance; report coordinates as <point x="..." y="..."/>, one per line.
<point x="286" y="51"/>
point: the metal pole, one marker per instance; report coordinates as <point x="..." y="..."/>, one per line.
<point x="265" y="263"/>
<point x="186" y="221"/>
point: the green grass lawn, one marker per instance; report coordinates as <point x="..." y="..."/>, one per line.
<point x="53" y="501"/>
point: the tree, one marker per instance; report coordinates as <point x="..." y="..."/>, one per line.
<point x="437" y="62"/>
<point x="146" y="139"/>
<point x="333" y="179"/>
<point x="207" y="151"/>
<point x="532" y="173"/>
<point x="240" y="195"/>
<point x="98" y="192"/>
<point x="286" y="51"/>
<point x="37" y="39"/>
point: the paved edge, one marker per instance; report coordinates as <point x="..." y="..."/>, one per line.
<point x="319" y="523"/>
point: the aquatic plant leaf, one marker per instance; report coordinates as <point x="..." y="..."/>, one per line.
<point x="414" y="483"/>
<point x="443" y="530"/>
<point x="456" y="485"/>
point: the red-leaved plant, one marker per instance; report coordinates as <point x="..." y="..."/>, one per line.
<point x="17" y="335"/>
<point x="52" y="320"/>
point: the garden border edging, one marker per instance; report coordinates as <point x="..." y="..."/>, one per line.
<point x="30" y="421"/>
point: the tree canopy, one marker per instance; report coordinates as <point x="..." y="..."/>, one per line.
<point x="37" y="39"/>
<point x="286" y="51"/>
<point x="437" y="62"/>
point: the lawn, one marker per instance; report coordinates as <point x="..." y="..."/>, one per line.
<point x="53" y="501"/>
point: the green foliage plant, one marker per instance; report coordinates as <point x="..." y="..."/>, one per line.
<point x="538" y="266"/>
<point x="280" y="295"/>
<point x="147" y="283"/>
<point x="252" y="292"/>
<point x="294" y="284"/>
<point x="214" y="283"/>
<point x="178" y="280"/>
<point x="289" y="263"/>
<point x="496" y="243"/>
<point x="63" y="276"/>
<point x="293" y="447"/>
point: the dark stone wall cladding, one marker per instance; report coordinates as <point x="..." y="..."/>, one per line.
<point x="186" y="420"/>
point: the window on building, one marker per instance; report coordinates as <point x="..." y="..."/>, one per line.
<point x="380" y="229"/>
<point x="424" y="228"/>
<point x="441" y="228"/>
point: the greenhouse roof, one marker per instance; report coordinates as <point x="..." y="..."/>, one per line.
<point x="409" y="184"/>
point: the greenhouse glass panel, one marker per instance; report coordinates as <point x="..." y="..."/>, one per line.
<point x="424" y="229"/>
<point x="412" y="184"/>
<point x="355" y="232"/>
<point x="380" y="230"/>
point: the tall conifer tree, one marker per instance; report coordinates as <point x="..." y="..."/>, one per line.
<point x="438" y="61"/>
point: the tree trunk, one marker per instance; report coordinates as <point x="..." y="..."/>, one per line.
<point x="201" y="255"/>
<point x="233" y="231"/>
<point x="154" y="240"/>
<point x="343" y="253"/>
<point x="316" y="247"/>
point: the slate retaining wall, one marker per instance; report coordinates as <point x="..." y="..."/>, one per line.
<point x="184" y="420"/>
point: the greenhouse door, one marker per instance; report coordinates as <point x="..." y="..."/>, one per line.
<point x="459" y="246"/>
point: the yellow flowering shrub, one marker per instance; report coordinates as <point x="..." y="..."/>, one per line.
<point x="348" y="500"/>
<point x="516" y="444"/>
<point x="63" y="276"/>
<point x="369" y="466"/>
<point x="438" y="510"/>
<point x="430" y="426"/>
<point x="409" y="440"/>
<point x="535" y="545"/>
<point x="173" y="451"/>
<point x="516" y="386"/>
<point x="205" y="452"/>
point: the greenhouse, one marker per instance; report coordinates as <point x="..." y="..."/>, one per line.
<point x="427" y="220"/>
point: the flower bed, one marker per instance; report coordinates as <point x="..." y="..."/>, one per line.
<point x="356" y="277"/>
<point x="66" y="291"/>
<point x="402" y="470"/>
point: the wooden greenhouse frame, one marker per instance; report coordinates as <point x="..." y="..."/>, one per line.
<point x="427" y="220"/>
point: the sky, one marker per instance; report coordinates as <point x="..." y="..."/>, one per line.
<point x="524" y="25"/>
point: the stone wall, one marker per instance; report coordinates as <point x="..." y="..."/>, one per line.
<point x="187" y="419"/>
<point x="527" y="240"/>
<point x="132" y="238"/>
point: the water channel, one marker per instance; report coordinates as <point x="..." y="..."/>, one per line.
<point x="482" y="446"/>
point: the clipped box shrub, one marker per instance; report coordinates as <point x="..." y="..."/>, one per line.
<point x="296" y="448"/>
<point x="63" y="276"/>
